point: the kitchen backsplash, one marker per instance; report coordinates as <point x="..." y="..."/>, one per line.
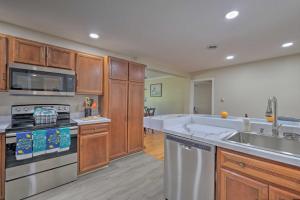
<point x="76" y="102"/>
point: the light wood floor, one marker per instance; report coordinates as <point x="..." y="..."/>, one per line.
<point x="154" y="145"/>
<point x="137" y="177"/>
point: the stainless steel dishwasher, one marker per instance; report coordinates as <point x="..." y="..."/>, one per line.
<point x="189" y="169"/>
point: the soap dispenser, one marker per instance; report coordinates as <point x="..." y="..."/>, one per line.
<point x="246" y="123"/>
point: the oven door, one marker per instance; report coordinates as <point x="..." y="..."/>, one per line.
<point x="35" y="80"/>
<point x="28" y="177"/>
<point x="19" y="168"/>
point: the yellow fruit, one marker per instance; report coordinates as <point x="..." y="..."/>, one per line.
<point x="270" y="119"/>
<point x="224" y="114"/>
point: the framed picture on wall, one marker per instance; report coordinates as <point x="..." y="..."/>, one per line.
<point x="156" y="90"/>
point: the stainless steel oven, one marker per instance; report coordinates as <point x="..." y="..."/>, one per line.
<point x="38" y="173"/>
<point x="36" y="80"/>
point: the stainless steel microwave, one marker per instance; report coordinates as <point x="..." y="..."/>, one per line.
<point x="36" y="80"/>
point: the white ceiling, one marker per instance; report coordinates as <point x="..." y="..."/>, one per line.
<point x="171" y="32"/>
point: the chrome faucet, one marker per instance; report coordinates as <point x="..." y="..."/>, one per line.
<point x="269" y="113"/>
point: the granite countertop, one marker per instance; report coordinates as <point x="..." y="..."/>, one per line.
<point x="4" y="123"/>
<point x="220" y="142"/>
<point x="3" y="126"/>
<point x="212" y="130"/>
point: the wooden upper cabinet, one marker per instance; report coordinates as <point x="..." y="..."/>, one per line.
<point x="118" y="115"/>
<point x="136" y="72"/>
<point x="3" y="62"/>
<point x="2" y="165"/>
<point x="118" y="68"/>
<point x="89" y="70"/>
<point x="279" y="194"/>
<point x="135" y="116"/>
<point x="60" y="58"/>
<point x="26" y="51"/>
<point x="236" y="187"/>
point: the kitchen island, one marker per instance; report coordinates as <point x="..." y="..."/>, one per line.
<point x="243" y="170"/>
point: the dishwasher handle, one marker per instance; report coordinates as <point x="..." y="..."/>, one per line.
<point x="188" y="145"/>
<point x="189" y="148"/>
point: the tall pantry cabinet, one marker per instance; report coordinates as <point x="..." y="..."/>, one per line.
<point x="123" y="103"/>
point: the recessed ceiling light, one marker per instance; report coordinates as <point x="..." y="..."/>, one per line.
<point x="288" y="44"/>
<point x="231" y="57"/>
<point x="232" y="14"/>
<point x="94" y="35"/>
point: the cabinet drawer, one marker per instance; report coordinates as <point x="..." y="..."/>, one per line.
<point x="269" y="171"/>
<point x="94" y="128"/>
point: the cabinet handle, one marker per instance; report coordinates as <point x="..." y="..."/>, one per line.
<point x="242" y="165"/>
<point x="43" y="53"/>
<point x="186" y="147"/>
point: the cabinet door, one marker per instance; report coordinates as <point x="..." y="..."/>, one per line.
<point x="236" y="187"/>
<point x="60" y="58"/>
<point x="3" y="69"/>
<point x="279" y="194"/>
<point x="118" y="116"/>
<point x="28" y="52"/>
<point x="136" y="72"/>
<point x="89" y="70"/>
<point x="135" y="116"/>
<point x="2" y="165"/>
<point x="93" y="151"/>
<point x="118" y="69"/>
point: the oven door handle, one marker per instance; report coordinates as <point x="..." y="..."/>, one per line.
<point x="11" y="137"/>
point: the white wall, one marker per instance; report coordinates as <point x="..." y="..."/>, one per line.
<point x="246" y="87"/>
<point x="76" y="102"/>
<point x="175" y="95"/>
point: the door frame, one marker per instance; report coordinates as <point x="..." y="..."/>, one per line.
<point x="212" y="94"/>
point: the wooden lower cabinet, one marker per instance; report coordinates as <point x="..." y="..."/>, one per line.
<point x="237" y="187"/>
<point x="2" y="165"/>
<point x="280" y="194"/>
<point x="93" y="147"/>
<point x="246" y="177"/>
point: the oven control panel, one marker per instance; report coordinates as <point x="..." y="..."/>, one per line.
<point x="29" y="109"/>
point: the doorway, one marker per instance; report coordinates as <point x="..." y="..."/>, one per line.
<point x="202" y="96"/>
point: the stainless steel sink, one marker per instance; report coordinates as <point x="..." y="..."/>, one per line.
<point x="280" y="145"/>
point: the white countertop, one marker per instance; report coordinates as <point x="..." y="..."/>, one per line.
<point x="4" y="123"/>
<point x="81" y="121"/>
<point x="213" y="130"/>
<point x="3" y="126"/>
